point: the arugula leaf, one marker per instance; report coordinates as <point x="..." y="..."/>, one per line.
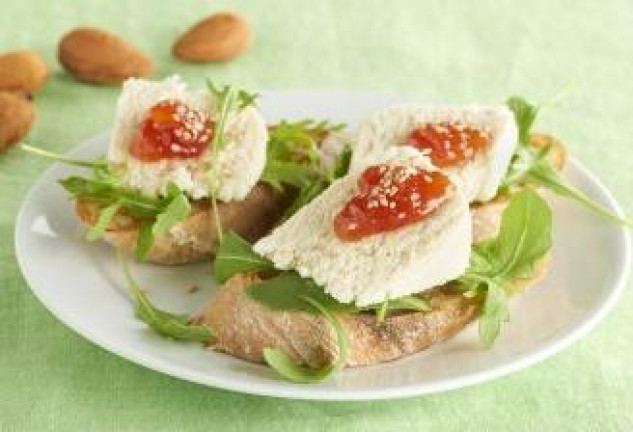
<point x="156" y="215"/>
<point x="543" y="174"/>
<point x="277" y="173"/>
<point x="293" y="155"/>
<point x="225" y="100"/>
<point x="105" y="193"/>
<point x="524" y="238"/>
<point x="235" y="256"/>
<point x="145" y="239"/>
<point x="381" y="311"/>
<point x="245" y="98"/>
<point x="531" y="166"/>
<point x="106" y="215"/>
<point x="287" y="368"/>
<point x="286" y="291"/>
<point x="63" y="159"/>
<point x="409" y="302"/>
<point x="293" y="158"/>
<point x="524" y="115"/>
<point x="162" y="322"/>
<point x="176" y="211"/>
<point x="481" y="264"/>
<point x="494" y="314"/>
<point x="104" y="174"/>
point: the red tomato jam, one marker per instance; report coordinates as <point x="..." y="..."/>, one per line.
<point x="447" y="143"/>
<point x="390" y="197"/>
<point x="171" y="130"/>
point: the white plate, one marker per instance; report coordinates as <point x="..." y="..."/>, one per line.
<point x="81" y="284"/>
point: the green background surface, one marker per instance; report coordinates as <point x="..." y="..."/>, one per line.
<point x="444" y="51"/>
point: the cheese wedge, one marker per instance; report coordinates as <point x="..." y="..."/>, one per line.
<point x="239" y="165"/>
<point x="382" y="266"/>
<point x="479" y="177"/>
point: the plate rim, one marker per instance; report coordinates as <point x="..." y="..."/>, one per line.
<point x="305" y="392"/>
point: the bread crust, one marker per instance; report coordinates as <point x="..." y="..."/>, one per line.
<point x="195" y="239"/>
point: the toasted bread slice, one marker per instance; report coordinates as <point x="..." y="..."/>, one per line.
<point x="195" y="238"/>
<point x="245" y="328"/>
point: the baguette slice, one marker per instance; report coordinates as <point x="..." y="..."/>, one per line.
<point x="195" y="238"/>
<point x="245" y="328"/>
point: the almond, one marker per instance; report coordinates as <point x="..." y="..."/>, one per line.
<point x="217" y="38"/>
<point x="16" y="117"/>
<point x="95" y="56"/>
<point x="23" y="71"/>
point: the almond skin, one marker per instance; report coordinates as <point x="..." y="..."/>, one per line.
<point x="217" y="38"/>
<point x="99" y="57"/>
<point x="22" y="71"/>
<point x="16" y="118"/>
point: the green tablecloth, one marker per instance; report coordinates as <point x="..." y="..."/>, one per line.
<point x="449" y="51"/>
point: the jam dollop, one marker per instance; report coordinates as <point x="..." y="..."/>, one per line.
<point x="448" y="143"/>
<point x="390" y="197"/>
<point x="172" y="130"/>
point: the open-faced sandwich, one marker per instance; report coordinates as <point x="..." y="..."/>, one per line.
<point x="437" y="223"/>
<point x="183" y="166"/>
<point x="394" y="256"/>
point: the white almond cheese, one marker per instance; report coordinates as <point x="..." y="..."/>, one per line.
<point x="382" y="266"/>
<point x="240" y="162"/>
<point x="478" y="178"/>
